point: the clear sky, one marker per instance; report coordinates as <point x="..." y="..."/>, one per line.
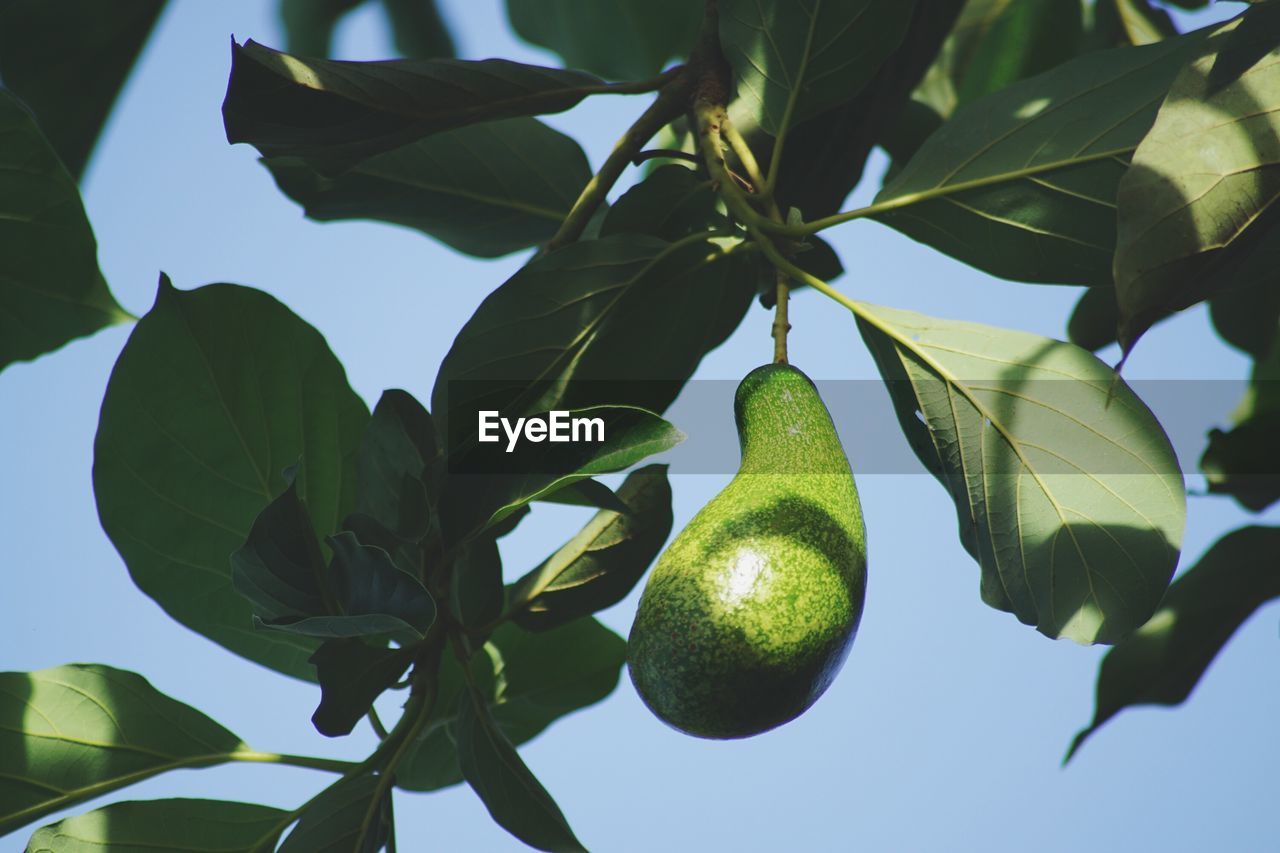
<point x="945" y="729"/>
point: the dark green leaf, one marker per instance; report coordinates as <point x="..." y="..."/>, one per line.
<point x="621" y="320"/>
<point x="370" y="595"/>
<point x="1200" y="185"/>
<point x="1067" y="490"/>
<point x="487" y="190"/>
<point x="418" y="29"/>
<point x="280" y="568"/>
<point x="1022" y="183"/>
<point x="996" y="43"/>
<point x="334" y="114"/>
<point x="1248" y="317"/>
<point x="598" y="567"/>
<point x="197" y="826"/>
<point x="51" y="290"/>
<point x="489" y="483"/>
<point x="96" y="44"/>
<point x="586" y="492"/>
<point x="514" y="797"/>
<point x="825" y="156"/>
<point x="1257" y="35"/>
<point x="1123" y="22"/>
<point x="794" y="59"/>
<point x="352" y="674"/>
<point x="476" y="593"/>
<point x="343" y="819"/>
<point x="1161" y="663"/>
<point x="1096" y="318"/>
<point x="215" y="392"/>
<point x="72" y="733"/>
<point x="399" y="464"/>
<point x="530" y="680"/>
<point x="674" y="201"/>
<point x="618" y="39"/>
<point x="1245" y="462"/>
<point x="309" y="24"/>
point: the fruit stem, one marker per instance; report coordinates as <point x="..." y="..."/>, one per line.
<point x="781" y="325"/>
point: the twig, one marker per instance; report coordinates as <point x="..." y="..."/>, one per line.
<point x="663" y="153"/>
<point x="666" y="108"/>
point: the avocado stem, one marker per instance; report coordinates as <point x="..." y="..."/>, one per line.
<point x="781" y="325"/>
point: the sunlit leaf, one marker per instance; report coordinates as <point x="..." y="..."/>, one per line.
<point x="72" y="733"/>
<point x="196" y="826"/>
<point x="1022" y="183"/>
<point x="1066" y="488"/>
<point x="1200" y="182"/>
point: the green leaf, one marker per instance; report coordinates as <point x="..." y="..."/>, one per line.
<point x="352" y="674"/>
<point x="1257" y="35"/>
<point x="96" y="45"/>
<point x="487" y="190"/>
<point x="1161" y="663"/>
<point x="72" y="733"/>
<point x="215" y="392"/>
<point x="1245" y="462"/>
<point x="1022" y="183"/>
<point x="489" y="483"/>
<point x="1248" y="317"/>
<point x="673" y="202"/>
<point x="598" y="567"/>
<point x="1201" y="179"/>
<point x="514" y="797"/>
<point x="309" y="24"/>
<point x="1066" y="488"/>
<point x="825" y="156"/>
<point x="1095" y="319"/>
<point x="530" y="681"/>
<point x="198" y="826"/>
<point x="51" y="290"/>
<point x="1134" y="21"/>
<point x="334" y="114"/>
<point x="999" y="42"/>
<point x="591" y="35"/>
<point x="343" y="818"/>
<point x="794" y="59"/>
<point x="363" y="594"/>
<point x="418" y="29"/>
<point x="586" y="492"/>
<point x="399" y="465"/>
<point x="476" y="594"/>
<point x="620" y="320"/>
<point x="280" y="568"/>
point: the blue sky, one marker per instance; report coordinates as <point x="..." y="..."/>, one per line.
<point x="947" y="725"/>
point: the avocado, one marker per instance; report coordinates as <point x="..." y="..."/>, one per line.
<point x="749" y="614"/>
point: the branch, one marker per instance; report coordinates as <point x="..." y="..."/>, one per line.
<point x="668" y="106"/>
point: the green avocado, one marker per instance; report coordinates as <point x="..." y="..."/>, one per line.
<point x="749" y="614"/>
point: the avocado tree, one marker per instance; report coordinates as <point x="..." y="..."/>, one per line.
<point x="254" y="496"/>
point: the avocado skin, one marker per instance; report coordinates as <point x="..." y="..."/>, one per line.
<point x="750" y="613"/>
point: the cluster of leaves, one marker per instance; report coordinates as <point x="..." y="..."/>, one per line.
<point x="255" y="498"/>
